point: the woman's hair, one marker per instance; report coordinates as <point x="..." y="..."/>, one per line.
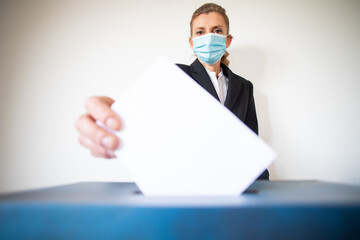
<point x="208" y="8"/>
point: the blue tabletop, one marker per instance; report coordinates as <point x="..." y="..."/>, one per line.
<point x="267" y="210"/>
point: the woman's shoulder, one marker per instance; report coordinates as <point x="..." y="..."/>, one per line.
<point x="184" y="67"/>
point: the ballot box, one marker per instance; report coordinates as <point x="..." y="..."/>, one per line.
<point x="266" y="210"/>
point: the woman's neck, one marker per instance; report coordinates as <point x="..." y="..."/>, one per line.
<point x="212" y="68"/>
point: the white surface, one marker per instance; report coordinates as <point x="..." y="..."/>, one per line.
<point x="178" y="140"/>
<point x="302" y="57"/>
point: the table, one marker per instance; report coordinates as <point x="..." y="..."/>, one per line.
<point x="267" y="210"/>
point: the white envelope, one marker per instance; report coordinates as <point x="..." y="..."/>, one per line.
<point x="178" y="140"/>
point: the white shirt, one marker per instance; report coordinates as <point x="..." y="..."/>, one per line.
<point x="221" y="84"/>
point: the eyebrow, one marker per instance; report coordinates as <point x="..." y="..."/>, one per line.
<point x="200" y="28"/>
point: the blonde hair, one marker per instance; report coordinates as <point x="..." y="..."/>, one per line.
<point x="208" y="8"/>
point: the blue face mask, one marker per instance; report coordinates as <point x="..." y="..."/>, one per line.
<point x="209" y="47"/>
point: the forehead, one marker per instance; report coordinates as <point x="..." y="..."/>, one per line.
<point x="208" y="20"/>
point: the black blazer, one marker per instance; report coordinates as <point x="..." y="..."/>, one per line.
<point x="239" y="99"/>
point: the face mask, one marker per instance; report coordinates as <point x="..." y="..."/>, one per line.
<point x="209" y="47"/>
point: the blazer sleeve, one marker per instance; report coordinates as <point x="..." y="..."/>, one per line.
<point x="251" y="118"/>
<point x="251" y="121"/>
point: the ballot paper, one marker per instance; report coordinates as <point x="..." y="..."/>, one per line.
<point x="178" y="140"/>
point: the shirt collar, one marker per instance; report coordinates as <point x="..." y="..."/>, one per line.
<point x="221" y="74"/>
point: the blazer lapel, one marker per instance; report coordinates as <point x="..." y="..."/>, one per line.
<point x="233" y="88"/>
<point x="202" y="78"/>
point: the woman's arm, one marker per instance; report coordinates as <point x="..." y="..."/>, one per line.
<point x="251" y="118"/>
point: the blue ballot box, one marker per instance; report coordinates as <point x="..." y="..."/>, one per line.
<point x="267" y="210"/>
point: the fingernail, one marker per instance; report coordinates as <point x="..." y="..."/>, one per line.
<point x="111" y="154"/>
<point x="107" y="142"/>
<point x="112" y="123"/>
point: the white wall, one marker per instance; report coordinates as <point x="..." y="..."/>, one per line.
<point x="302" y="57"/>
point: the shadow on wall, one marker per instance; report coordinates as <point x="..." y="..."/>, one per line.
<point x="252" y="63"/>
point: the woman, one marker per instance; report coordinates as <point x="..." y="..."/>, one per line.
<point x="209" y="31"/>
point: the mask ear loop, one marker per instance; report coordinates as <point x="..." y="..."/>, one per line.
<point x="232" y="37"/>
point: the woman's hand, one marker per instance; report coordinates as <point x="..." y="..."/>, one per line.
<point x="100" y="142"/>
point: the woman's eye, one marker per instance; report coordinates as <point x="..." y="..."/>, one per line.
<point x="199" y="32"/>
<point x="218" y="31"/>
